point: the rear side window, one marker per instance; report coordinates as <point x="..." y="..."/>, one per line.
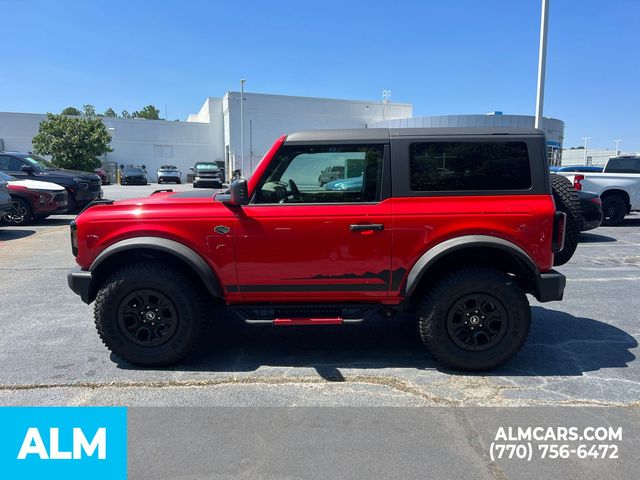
<point x="455" y="166"/>
<point x="624" y="165"/>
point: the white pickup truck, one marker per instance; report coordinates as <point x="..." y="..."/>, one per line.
<point x="617" y="186"/>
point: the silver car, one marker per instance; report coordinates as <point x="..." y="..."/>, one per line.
<point x="169" y="173"/>
<point x="5" y="198"/>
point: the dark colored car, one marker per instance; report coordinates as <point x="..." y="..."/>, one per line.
<point x="591" y="208"/>
<point x="464" y="228"/>
<point x="133" y="176"/>
<point x="32" y="199"/>
<point x="104" y="176"/>
<point x="82" y="187"/>
<point x="576" y="168"/>
<point x="207" y="174"/>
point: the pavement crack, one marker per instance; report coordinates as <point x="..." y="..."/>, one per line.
<point x="473" y="439"/>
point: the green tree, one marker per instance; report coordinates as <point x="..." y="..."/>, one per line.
<point x="71" y="111"/>
<point x="149" y="112"/>
<point x="74" y="143"/>
<point x="110" y="113"/>
<point x="89" y="110"/>
<point x="125" y="114"/>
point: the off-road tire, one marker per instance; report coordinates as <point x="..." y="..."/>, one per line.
<point x="187" y="297"/>
<point x="441" y="300"/>
<point x="567" y="201"/>
<point x="614" y="209"/>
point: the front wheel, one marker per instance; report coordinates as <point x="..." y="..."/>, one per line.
<point x="474" y="319"/>
<point x="19" y="213"/>
<point x="150" y="314"/>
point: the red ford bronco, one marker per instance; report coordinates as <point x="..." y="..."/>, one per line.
<point x="456" y="225"/>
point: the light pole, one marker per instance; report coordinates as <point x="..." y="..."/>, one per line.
<point x="542" y="60"/>
<point x="242" y="124"/>
<point x="617" y="146"/>
<point x="585" y="148"/>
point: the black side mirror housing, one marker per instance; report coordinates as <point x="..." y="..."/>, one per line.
<point x="28" y="169"/>
<point x="238" y="194"/>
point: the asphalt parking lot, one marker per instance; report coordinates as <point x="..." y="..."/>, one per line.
<point x="581" y="351"/>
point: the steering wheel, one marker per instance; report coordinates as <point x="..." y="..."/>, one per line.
<point x="294" y="189"/>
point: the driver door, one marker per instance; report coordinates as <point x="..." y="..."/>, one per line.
<point x="298" y="240"/>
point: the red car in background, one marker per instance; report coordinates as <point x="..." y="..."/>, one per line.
<point x="32" y="199"/>
<point x="104" y="176"/>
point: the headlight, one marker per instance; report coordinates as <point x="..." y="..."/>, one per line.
<point x="45" y="197"/>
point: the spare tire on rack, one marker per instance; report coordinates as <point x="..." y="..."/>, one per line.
<point x="567" y="201"/>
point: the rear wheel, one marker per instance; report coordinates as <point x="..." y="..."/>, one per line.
<point x="474" y="319"/>
<point x="150" y="314"/>
<point x="19" y="213"/>
<point x="614" y="209"/>
<point x="567" y="201"/>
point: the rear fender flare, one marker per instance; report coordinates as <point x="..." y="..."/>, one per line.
<point x="431" y="256"/>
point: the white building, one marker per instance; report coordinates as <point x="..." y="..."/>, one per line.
<point x="592" y="156"/>
<point x="552" y="127"/>
<point x="213" y="134"/>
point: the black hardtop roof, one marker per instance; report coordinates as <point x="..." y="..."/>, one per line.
<point x="381" y="135"/>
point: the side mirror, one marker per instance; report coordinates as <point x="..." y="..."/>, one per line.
<point x="28" y="169"/>
<point x="238" y="194"/>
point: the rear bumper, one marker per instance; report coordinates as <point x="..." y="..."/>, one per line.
<point x="550" y="286"/>
<point x="80" y="282"/>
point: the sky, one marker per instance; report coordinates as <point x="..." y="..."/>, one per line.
<point x="444" y="57"/>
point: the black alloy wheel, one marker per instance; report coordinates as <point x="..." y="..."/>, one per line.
<point x="477" y="322"/>
<point x="147" y="318"/>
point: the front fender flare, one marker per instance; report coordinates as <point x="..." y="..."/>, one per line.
<point x="184" y="253"/>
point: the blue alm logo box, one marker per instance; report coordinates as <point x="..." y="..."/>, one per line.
<point x="63" y="442"/>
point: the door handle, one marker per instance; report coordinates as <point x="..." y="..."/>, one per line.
<point x="369" y="227"/>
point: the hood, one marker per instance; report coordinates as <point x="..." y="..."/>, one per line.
<point x="70" y="173"/>
<point x="163" y="205"/>
<point x="36" y="185"/>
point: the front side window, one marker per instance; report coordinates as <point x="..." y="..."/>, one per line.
<point x="469" y="166"/>
<point x="38" y="162"/>
<point x="299" y="175"/>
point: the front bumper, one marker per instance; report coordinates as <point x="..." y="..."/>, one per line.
<point x="168" y="178"/>
<point x="80" y="282"/>
<point x="85" y="195"/>
<point x="133" y="181"/>
<point x="550" y="286"/>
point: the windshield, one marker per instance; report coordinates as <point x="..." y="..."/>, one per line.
<point x="168" y="168"/>
<point x="133" y="171"/>
<point x="207" y="167"/>
<point x="6" y="177"/>
<point x="38" y="162"/>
